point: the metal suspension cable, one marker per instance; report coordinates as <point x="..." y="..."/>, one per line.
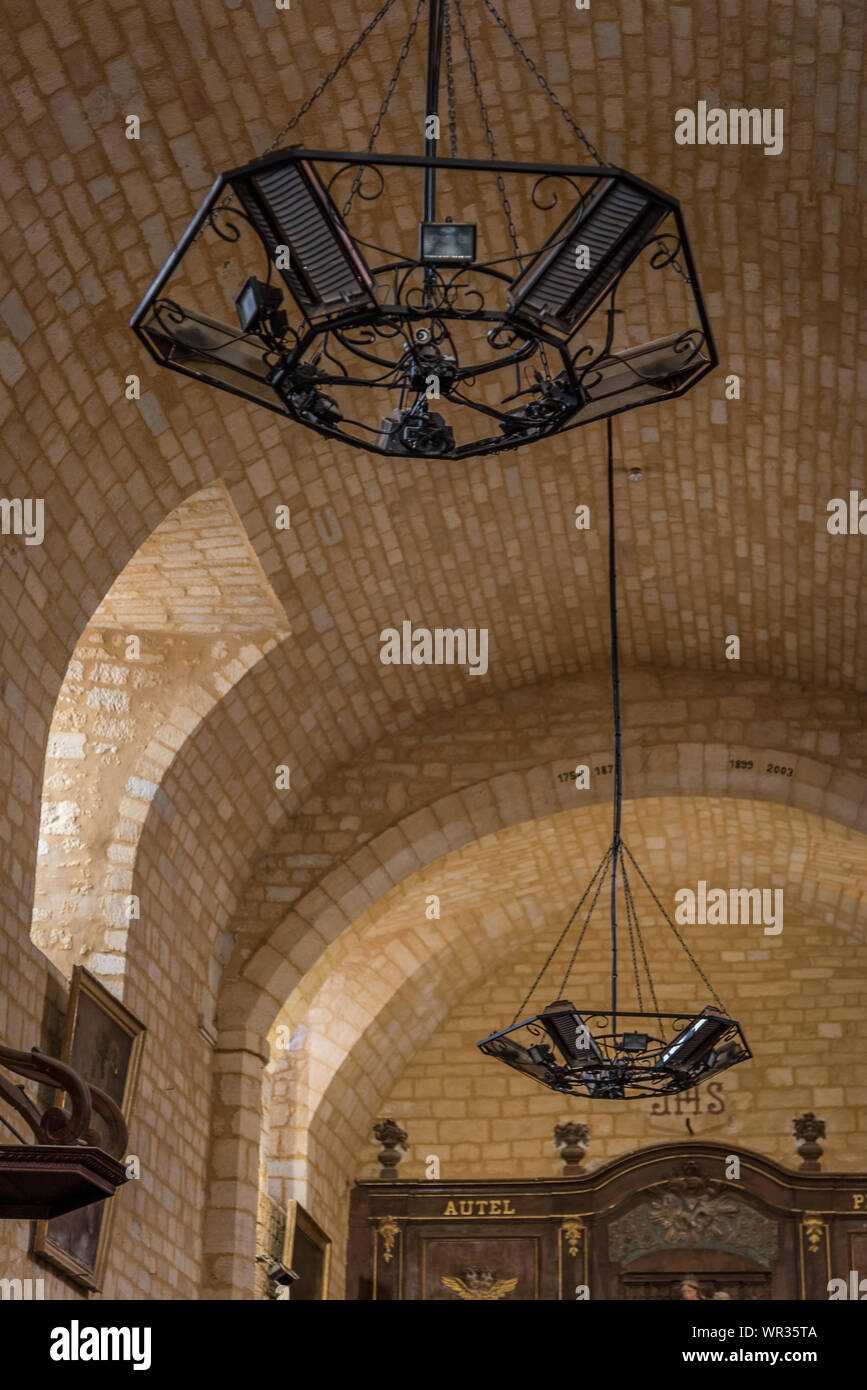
<point x="600" y="867"/>
<point x="552" y="96"/>
<point x="386" y="101"/>
<point x="565" y="113"/>
<point x="326" y="81"/>
<point x="450" y="82"/>
<point x="314" y="96"/>
<point x="627" y="886"/>
<point x="683" y="944"/>
<point x="489" y="135"/>
<point x="607" y="860"/>
<point x="615" y="702"/>
<point x="631" y="924"/>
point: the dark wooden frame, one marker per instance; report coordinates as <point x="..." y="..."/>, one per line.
<point x="87" y="992"/>
<point x="297" y="1219"/>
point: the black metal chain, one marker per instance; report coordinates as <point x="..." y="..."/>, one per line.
<point x="489" y="135"/>
<point x="629" y="922"/>
<point x="383" y="110"/>
<point x="450" y="81"/>
<point x="558" y="943"/>
<point x="552" y="96"/>
<point x="673" y="927"/>
<point x="314" y="96"/>
<point x="564" y="112"/>
<point x="326" y="81"/>
<point x="630" y="907"/>
<point x="609" y="860"/>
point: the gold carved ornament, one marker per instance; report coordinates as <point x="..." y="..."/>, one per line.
<point x="814" y="1228"/>
<point x="573" y="1231"/>
<point x="481" y="1284"/>
<point x="388" y="1231"/>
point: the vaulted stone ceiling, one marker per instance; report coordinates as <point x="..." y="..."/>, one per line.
<point x="727" y="532"/>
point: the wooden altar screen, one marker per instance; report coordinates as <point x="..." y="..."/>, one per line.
<point x="632" y="1228"/>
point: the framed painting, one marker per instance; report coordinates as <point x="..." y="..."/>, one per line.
<point x="103" y="1042"/>
<point x="307" y="1250"/>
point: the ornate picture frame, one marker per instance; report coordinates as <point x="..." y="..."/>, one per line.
<point x="307" y="1250"/>
<point x="103" y="1041"/>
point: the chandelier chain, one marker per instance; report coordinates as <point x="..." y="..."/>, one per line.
<point x="450" y="82"/>
<point x="552" y="96"/>
<point x="692" y="958"/>
<point x="629" y="924"/>
<point x="314" y="96"/>
<point x="631" y="907"/>
<point x="558" y="943"/>
<point x="609" y="858"/>
<point x="326" y="81"/>
<point x="489" y="134"/>
<point x="565" y="112"/>
<point x="615" y="702"/>
<point x="384" y="105"/>
<point x="638" y="933"/>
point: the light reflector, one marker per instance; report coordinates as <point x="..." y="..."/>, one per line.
<point x="290" y="207"/>
<point x="578" y="264"/>
<point x="447" y="243"/>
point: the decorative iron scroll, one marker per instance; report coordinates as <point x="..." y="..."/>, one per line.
<point x="421" y="356"/>
<point x="57" y="1125"/>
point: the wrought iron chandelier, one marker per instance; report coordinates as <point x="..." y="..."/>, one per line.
<point x="532" y="299"/>
<point x="612" y="1053"/>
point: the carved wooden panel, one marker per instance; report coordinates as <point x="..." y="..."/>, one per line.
<point x="640" y="1227"/>
<point x="490" y="1268"/>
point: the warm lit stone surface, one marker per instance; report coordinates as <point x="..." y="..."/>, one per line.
<point x="264" y="644"/>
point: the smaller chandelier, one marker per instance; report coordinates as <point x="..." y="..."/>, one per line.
<point x="612" y="1053"/>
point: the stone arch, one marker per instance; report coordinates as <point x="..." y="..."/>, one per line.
<point x="504" y="800"/>
<point x="406" y="982"/>
<point x="188" y="617"/>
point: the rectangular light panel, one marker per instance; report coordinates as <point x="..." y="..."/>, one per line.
<point x="614" y="221"/>
<point x="289" y="206"/>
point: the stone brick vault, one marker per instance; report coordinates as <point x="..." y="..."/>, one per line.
<point x="270" y="910"/>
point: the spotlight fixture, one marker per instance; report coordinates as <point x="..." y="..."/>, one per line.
<point x="612" y="1053"/>
<point x="447" y="243"/>
<point x="583" y="302"/>
<point x="258" y="306"/>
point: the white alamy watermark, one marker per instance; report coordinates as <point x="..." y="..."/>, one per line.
<point x="737" y="126"/>
<point x="720" y="907"/>
<point x="23" y="516"/>
<point x="855" y="1290"/>
<point x="22" y="1288"/>
<point x="439" y="646"/>
<point x="77" y="1343"/>
<point x="848" y="518"/>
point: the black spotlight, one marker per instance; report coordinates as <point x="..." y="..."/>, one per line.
<point x="417" y="430"/>
<point x="258" y="306"/>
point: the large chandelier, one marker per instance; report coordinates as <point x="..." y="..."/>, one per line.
<point x="609" y="1053"/>
<point x="512" y="302"/>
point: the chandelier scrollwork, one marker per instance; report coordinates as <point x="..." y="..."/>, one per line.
<point x="459" y="338"/>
